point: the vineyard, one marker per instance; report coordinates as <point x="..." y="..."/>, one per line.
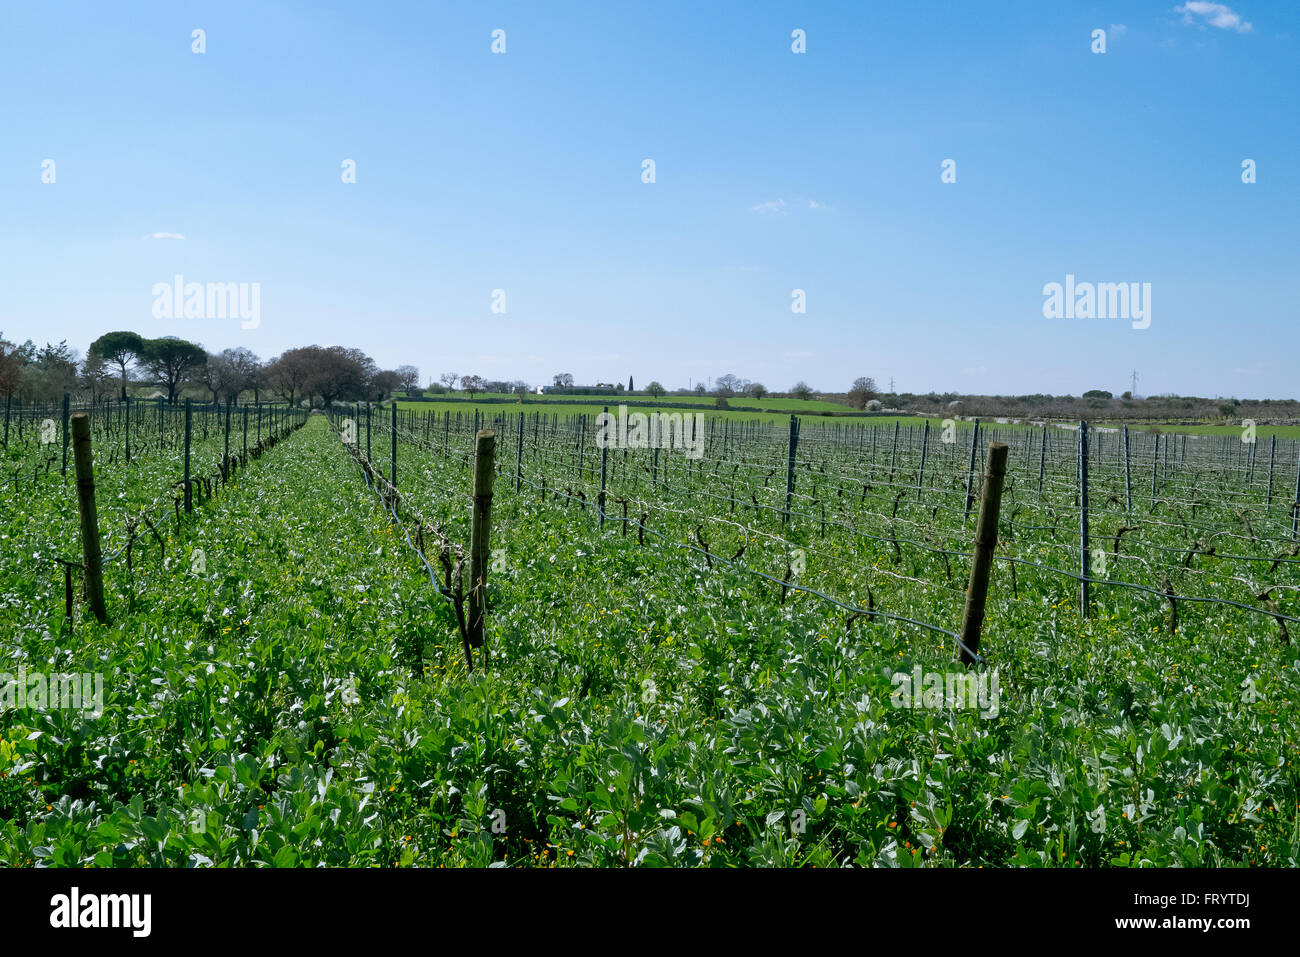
<point x="401" y="637"/>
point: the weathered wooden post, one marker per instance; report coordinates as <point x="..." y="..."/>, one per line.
<point x="225" y="456"/>
<point x="189" y="497"/>
<point x="789" y="468"/>
<point x="128" y="429"/>
<point x="604" y="461"/>
<point x="85" y="468"/>
<point x="1272" y="452"/>
<point x="67" y="399"/>
<point x="393" y="480"/>
<point x="893" y="458"/>
<point x="519" y="455"/>
<point x="485" y="443"/>
<point x="8" y="400"/>
<point x="582" y="437"/>
<point x="986" y="539"/>
<point x="1042" y="460"/>
<point x="1084" y="570"/>
<point x="920" y="479"/>
<point x="970" y="470"/>
<point x="1295" y="501"/>
<point x="1155" y="470"/>
<point x="1128" y="487"/>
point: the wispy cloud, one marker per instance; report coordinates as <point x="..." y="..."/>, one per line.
<point x="797" y="355"/>
<point x="1213" y="14"/>
<point x="773" y="206"/>
<point x="1118" y="29"/>
<point x="163" y="236"/>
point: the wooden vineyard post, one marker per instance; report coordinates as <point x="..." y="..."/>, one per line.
<point x="67" y="400"/>
<point x="789" y="468"/>
<point x="189" y="498"/>
<point x="519" y="455"/>
<point x="1155" y="471"/>
<point x="604" y="462"/>
<point x="970" y="470"/>
<point x="393" y="479"/>
<point x="128" y="430"/>
<point x="225" y="457"/>
<point x="925" y="441"/>
<point x="1272" y="452"/>
<point x="1295" y="500"/>
<point x="85" y="468"/>
<point x="1042" y="460"/>
<point x="582" y="437"/>
<point x="485" y="443"/>
<point x="1128" y="487"/>
<point x="893" y="458"/>
<point x="986" y="538"/>
<point x="1084" y="569"/>
<point x="243" y="459"/>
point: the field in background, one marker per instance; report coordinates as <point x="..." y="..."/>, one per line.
<point x="808" y="411"/>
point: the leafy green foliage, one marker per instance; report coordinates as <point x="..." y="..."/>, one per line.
<point x="303" y="700"/>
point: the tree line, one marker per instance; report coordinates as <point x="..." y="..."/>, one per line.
<point x="119" y="363"/>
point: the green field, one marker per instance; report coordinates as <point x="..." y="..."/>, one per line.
<point x="809" y="411"/>
<point x="693" y="679"/>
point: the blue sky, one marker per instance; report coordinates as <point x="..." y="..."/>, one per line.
<point x="775" y="171"/>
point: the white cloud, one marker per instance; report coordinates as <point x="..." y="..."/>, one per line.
<point x="1118" y="29"/>
<point x="772" y="206"/>
<point x="1214" y="14"/>
<point x="163" y="236"/>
